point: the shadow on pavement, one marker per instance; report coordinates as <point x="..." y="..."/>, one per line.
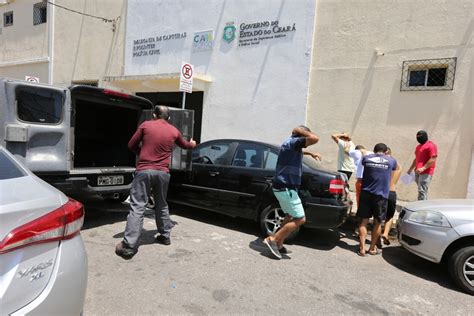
<point x="100" y="212"/>
<point x="242" y="225"/>
<point x="419" y="267"/>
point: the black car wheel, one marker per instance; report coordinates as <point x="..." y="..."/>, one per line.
<point x="461" y="268"/>
<point x="271" y="219"/>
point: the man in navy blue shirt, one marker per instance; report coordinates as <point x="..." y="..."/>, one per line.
<point x="378" y="170"/>
<point x="286" y="183"/>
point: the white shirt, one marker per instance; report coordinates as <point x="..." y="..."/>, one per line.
<point x="344" y="162"/>
<point x="356" y="155"/>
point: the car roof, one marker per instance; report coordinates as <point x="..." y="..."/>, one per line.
<point x="230" y="140"/>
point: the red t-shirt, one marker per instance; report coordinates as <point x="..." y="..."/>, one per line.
<point x="157" y="139"/>
<point x="423" y="153"/>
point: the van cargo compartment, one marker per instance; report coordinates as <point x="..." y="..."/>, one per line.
<point x="102" y="132"/>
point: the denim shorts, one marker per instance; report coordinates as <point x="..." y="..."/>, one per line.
<point x="290" y="202"/>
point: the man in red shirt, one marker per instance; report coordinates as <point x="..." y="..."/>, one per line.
<point x="153" y="143"/>
<point x="424" y="163"/>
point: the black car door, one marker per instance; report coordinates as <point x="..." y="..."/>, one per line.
<point x="246" y="183"/>
<point x="200" y="186"/>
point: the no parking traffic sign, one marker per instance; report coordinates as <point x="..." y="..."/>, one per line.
<point x="186" y="78"/>
<point x="32" y="79"/>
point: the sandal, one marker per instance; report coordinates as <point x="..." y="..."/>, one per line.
<point x="361" y="254"/>
<point x="375" y="252"/>
<point x="385" y="241"/>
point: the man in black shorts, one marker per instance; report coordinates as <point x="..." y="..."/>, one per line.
<point x="392" y="202"/>
<point x="378" y="169"/>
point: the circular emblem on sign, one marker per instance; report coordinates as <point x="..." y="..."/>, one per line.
<point x="229" y="33"/>
<point x="187" y="71"/>
<point x="32" y="79"/>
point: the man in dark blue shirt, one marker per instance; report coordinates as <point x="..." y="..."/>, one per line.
<point x="378" y="170"/>
<point x="286" y="183"/>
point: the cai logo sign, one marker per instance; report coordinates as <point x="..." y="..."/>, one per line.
<point x="229" y="32"/>
<point x="203" y="40"/>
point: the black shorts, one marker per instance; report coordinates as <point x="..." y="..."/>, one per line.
<point x="391" y="204"/>
<point x="372" y="205"/>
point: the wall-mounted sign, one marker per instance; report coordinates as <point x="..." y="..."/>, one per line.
<point x="151" y="45"/>
<point x="32" y="79"/>
<point x="257" y="32"/>
<point x="229" y="32"/>
<point x="203" y="40"/>
<point x="186" y="78"/>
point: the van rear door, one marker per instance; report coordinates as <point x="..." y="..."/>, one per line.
<point x="37" y="126"/>
<point x="183" y="120"/>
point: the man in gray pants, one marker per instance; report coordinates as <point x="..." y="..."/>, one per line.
<point x="424" y="163"/>
<point x="153" y="143"/>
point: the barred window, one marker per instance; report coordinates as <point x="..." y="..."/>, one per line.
<point x="39" y="13"/>
<point x="8" y="19"/>
<point x="428" y="74"/>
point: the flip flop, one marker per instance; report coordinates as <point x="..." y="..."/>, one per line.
<point x="375" y="252"/>
<point x="385" y="241"/>
<point x="360" y="254"/>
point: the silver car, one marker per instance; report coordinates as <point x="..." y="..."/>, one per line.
<point x="43" y="262"/>
<point x="442" y="230"/>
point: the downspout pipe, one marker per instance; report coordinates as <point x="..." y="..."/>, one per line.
<point x="51" y="12"/>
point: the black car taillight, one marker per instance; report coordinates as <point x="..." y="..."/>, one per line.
<point x="337" y="186"/>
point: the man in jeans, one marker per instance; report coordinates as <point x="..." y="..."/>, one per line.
<point x="424" y="163"/>
<point x="153" y="143"/>
<point x="286" y="183"/>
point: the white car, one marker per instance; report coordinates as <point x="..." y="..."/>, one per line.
<point x="442" y="230"/>
<point x="43" y="262"/>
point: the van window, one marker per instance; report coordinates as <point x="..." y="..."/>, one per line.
<point x="41" y="106"/>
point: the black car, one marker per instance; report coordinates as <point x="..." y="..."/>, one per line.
<point x="234" y="177"/>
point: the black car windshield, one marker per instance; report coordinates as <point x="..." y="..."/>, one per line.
<point x="8" y="168"/>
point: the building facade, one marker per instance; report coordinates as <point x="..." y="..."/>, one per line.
<point x="61" y="42"/>
<point x="379" y="70"/>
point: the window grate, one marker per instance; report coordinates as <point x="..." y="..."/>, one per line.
<point x="428" y="74"/>
<point x="39" y="13"/>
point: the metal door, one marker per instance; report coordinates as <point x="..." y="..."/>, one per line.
<point x="37" y="126"/>
<point x="183" y="120"/>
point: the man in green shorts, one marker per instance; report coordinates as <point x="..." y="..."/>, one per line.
<point x="286" y="183"/>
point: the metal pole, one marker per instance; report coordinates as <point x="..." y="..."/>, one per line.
<point x="184" y="100"/>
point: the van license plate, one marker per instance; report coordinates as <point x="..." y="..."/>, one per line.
<point x="110" y="180"/>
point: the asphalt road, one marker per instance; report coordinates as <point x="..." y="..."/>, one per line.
<point x="218" y="265"/>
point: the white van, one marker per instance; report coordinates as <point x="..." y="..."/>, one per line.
<point x="76" y="138"/>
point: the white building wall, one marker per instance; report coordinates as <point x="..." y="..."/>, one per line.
<point x="354" y="90"/>
<point x="87" y="48"/>
<point x="23" y="46"/>
<point x="257" y="91"/>
<point x="80" y="47"/>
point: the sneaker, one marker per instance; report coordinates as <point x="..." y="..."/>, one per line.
<point x="285" y="251"/>
<point x="124" y="251"/>
<point x="163" y="240"/>
<point x="273" y="247"/>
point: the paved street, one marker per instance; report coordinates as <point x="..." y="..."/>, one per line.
<point x="217" y="265"/>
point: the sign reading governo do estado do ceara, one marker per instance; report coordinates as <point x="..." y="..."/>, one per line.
<point x="258" y="32"/>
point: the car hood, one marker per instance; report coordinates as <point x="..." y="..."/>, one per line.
<point x="441" y="205"/>
<point x="458" y="209"/>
